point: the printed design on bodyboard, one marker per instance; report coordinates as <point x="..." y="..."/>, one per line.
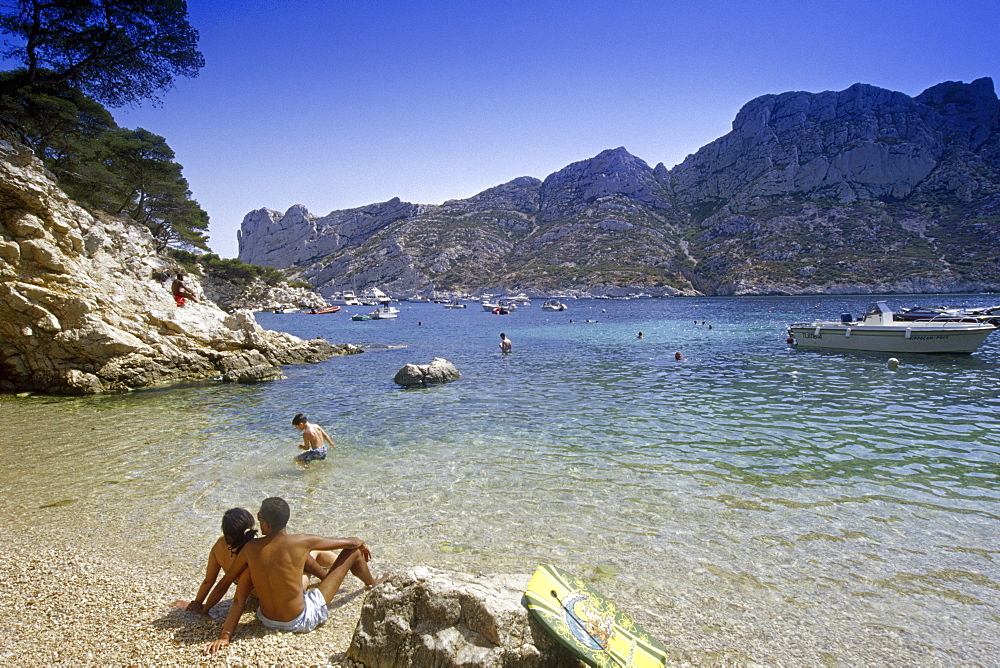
<point x="592" y="626"/>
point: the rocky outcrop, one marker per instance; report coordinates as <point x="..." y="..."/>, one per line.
<point x="258" y="295"/>
<point x="429" y="617"/>
<point x="438" y="371"/>
<point x="81" y="310"/>
<point x="267" y="237"/>
<point x="861" y="189"/>
<point x="861" y="143"/>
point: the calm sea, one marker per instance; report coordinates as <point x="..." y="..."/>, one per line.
<point x="749" y="495"/>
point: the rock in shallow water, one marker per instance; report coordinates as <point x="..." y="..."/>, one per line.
<point x="439" y="370"/>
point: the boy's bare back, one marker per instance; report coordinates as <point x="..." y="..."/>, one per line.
<point x="276" y="563"/>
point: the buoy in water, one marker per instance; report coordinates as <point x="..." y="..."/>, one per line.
<point x="789" y="340"/>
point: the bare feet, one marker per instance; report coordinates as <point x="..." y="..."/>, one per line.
<point x="379" y="580"/>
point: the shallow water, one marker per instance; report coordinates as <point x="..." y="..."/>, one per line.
<point x="750" y="495"/>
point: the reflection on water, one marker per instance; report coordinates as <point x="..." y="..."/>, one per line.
<point x="768" y="485"/>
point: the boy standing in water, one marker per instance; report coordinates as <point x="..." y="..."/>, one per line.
<point x="312" y="439"/>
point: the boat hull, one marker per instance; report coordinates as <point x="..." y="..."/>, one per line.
<point x="913" y="337"/>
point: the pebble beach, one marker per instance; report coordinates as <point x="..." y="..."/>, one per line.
<point x="75" y="599"/>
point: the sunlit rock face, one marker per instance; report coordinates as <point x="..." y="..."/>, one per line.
<point x="861" y="190"/>
<point x="84" y="308"/>
<point x="864" y="142"/>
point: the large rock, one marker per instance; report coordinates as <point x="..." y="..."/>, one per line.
<point x="438" y="371"/>
<point x="429" y="617"/>
<point x="258" y="295"/>
<point x="82" y="311"/>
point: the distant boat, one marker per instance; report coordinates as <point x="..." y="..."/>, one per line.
<point x="287" y="309"/>
<point x="321" y="311"/>
<point x="345" y="298"/>
<point x="939" y="313"/>
<point x="490" y="307"/>
<point x="360" y="317"/>
<point x="553" y="306"/>
<point x="879" y="331"/>
<point x="384" y="313"/>
<point x="454" y="304"/>
<point x="374" y="297"/>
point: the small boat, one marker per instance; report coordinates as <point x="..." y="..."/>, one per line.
<point x="553" y="306"/>
<point x="880" y="331"/>
<point x="374" y="297"/>
<point x="346" y="298"/>
<point x="360" y="317"/>
<point x="490" y="307"/>
<point x="287" y="309"/>
<point x="321" y="311"/>
<point x="454" y="304"/>
<point x="384" y="313"/>
<point x="939" y="313"/>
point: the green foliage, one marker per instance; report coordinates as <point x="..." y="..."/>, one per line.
<point x="105" y="167"/>
<point x="64" y="128"/>
<point x="150" y="189"/>
<point x="231" y="270"/>
<point x="117" y="51"/>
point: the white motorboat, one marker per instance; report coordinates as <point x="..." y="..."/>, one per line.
<point x="491" y="307"/>
<point x="553" y="306"/>
<point x="880" y="331"/>
<point x="345" y="298"/>
<point x="385" y="313"/>
<point x="374" y="297"/>
<point x="454" y="304"/>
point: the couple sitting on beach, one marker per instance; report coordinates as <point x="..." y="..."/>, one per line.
<point x="277" y="567"/>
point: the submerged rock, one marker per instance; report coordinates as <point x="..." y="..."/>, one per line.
<point x="429" y="617"/>
<point x="439" y="370"/>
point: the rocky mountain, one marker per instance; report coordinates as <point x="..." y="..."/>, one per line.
<point x="83" y="309"/>
<point x="864" y="190"/>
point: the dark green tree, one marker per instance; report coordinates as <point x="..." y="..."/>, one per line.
<point x="117" y="51"/>
<point x="150" y="189"/>
<point x="65" y="129"/>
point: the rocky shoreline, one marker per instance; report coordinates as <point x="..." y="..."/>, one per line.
<point x="84" y="308"/>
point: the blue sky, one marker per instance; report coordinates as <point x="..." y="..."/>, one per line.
<point x="335" y="104"/>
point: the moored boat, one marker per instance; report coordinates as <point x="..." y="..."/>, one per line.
<point x="320" y="311"/>
<point x="553" y="306"/>
<point x="384" y="313"/>
<point x="879" y="331"/>
<point x="345" y="298"/>
<point x="374" y="297"/>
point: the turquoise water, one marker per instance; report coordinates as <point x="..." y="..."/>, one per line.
<point x="749" y="496"/>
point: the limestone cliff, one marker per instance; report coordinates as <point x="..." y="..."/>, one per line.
<point x="81" y="311"/>
<point x="858" y="191"/>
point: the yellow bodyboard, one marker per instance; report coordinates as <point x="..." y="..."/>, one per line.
<point x="589" y="625"/>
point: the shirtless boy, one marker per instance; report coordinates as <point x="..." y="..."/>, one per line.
<point x="312" y="439"/>
<point x="275" y="563"/>
<point x="180" y="291"/>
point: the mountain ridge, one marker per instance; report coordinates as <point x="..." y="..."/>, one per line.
<point x="863" y="190"/>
